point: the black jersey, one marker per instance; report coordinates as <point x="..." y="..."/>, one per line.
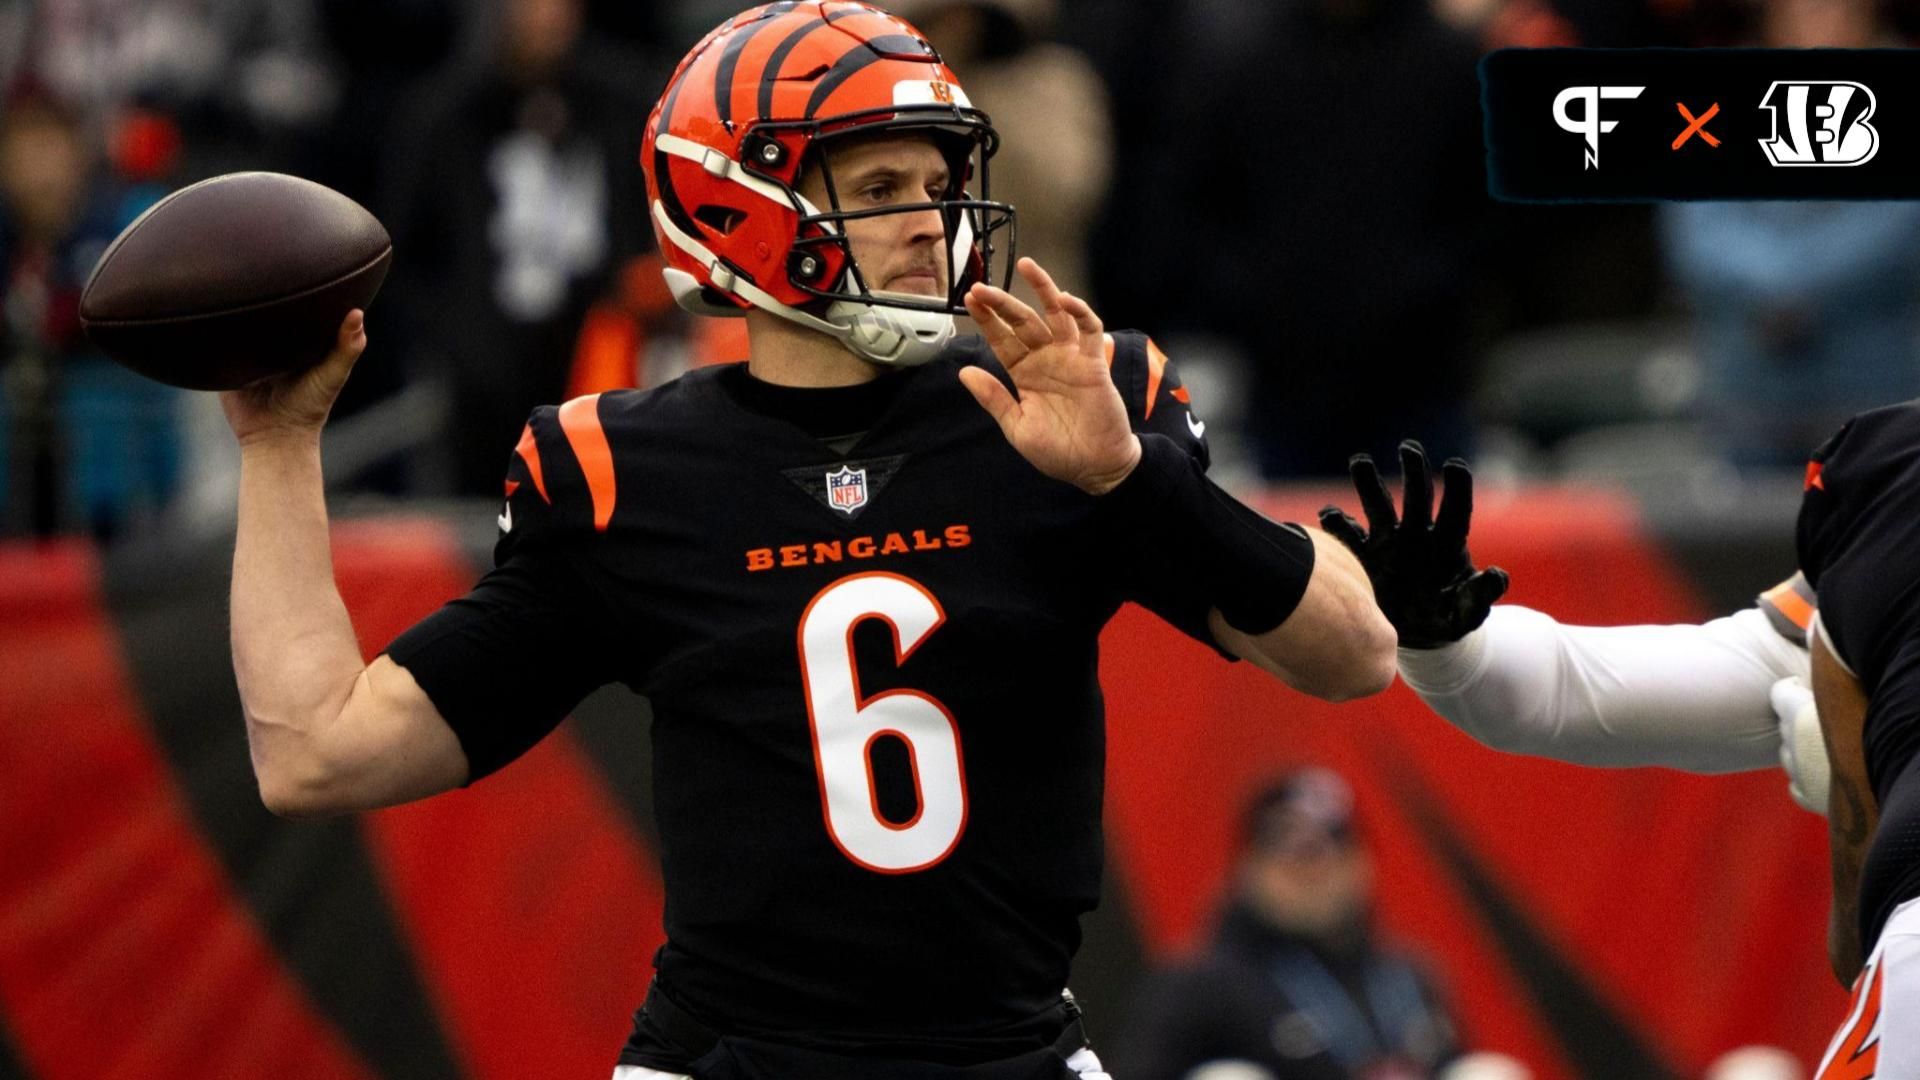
<point x="1859" y="545"/>
<point x="878" y="736"/>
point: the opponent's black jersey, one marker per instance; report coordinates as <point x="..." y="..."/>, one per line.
<point x="878" y="739"/>
<point x="1859" y="544"/>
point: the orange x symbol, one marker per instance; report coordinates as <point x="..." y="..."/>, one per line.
<point x="1697" y="125"/>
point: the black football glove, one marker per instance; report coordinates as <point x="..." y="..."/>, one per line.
<point x="1422" y="577"/>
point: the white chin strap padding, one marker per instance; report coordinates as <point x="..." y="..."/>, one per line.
<point x="899" y="337"/>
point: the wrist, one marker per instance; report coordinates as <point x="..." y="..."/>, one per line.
<point x="1446" y="668"/>
<point x="1103" y="484"/>
<point x="278" y="440"/>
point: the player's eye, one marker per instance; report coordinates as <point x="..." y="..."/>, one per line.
<point x="879" y="192"/>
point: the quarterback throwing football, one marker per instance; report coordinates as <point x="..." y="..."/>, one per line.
<point x="860" y="577"/>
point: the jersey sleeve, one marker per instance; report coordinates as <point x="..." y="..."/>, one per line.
<point x="1692" y="697"/>
<point x="1156" y="400"/>
<point x="1158" y="404"/>
<point x="506" y="663"/>
<point x="1858" y="529"/>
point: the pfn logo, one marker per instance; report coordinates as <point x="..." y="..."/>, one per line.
<point x="1825" y="124"/>
<point x="1589" y="124"/>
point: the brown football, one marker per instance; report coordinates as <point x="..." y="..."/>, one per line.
<point x="234" y="278"/>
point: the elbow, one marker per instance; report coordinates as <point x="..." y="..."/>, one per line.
<point x="299" y="791"/>
<point x="1368" y="667"/>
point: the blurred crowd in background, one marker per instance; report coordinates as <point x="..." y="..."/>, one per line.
<point x="1289" y="195"/>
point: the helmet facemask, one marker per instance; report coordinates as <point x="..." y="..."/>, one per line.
<point x="893" y="326"/>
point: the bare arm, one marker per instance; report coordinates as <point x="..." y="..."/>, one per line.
<point x="327" y="733"/>
<point x="1336" y="645"/>
<point x="1852" y="812"/>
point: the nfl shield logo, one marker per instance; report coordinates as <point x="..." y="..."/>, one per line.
<point x="847" y="489"/>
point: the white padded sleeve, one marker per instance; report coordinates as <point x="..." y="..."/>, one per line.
<point x="1693" y="697"/>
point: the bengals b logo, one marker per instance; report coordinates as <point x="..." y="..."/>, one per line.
<point x="1820" y="123"/>
<point x="1855" y="1051"/>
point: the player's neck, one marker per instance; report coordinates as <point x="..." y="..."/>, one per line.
<point x="787" y="354"/>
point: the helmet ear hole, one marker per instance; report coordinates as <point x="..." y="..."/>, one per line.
<point x="720" y="219"/>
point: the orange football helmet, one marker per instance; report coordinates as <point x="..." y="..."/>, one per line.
<point x="746" y="113"/>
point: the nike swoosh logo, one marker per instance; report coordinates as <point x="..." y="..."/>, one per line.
<point x="506" y="519"/>
<point x="1195" y="426"/>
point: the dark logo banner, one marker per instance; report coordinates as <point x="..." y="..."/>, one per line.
<point x="1650" y="124"/>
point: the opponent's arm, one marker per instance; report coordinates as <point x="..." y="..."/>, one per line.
<point x="1852" y="811"/>
<point x="327" y="733"/>
<point x="1299" y="608"/>
<point x="1695" y="697"/>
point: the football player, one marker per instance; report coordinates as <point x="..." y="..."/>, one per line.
<point x="1859" y="545"/>
<point x="1696" y="697"/>
<point x="1726" y="695"/>
<point x="860" y="577"/>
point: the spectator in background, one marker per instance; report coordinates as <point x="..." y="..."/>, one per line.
<point x="87" y="444"/>
<point x="1317" y="201"/>
<point x="1050" y="108"/>
<point x="1295" y="985"/>
<point x="513" y="200"/>
<point x="248" y="81"/>
<point x="1805" y="312"/>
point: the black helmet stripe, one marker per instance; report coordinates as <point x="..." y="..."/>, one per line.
<point x="867" y="52"/>
<point x="779" y="57"/>
<point x="730" y="58"/>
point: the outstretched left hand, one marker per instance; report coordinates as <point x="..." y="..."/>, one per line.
<point x="1068" y="419"/>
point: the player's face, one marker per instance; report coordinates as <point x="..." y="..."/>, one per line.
<point x="902" y="252"/>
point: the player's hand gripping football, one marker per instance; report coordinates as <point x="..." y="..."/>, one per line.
<point x="1068" y="419"/>
<point x="1422" y="576"/>
<point x="295" y="405"/>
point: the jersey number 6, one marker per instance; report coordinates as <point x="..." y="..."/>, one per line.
<point x="845" y="726"/>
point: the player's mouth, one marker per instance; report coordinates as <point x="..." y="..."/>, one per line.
<point x="922" y="282"/>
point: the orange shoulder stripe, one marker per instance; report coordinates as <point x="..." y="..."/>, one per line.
<point x="1156" y="370"/>
<point x="580" y="421"/>
<point x="1788" y="601"/>
<point x="530" y="454"/>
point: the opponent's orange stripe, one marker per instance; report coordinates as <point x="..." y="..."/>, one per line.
<point x="1813" y="476"/>
<point x="1180" y="395"/>
<point x="580" y="420"/>
<point x="530" y="453"/>
<point x="1156" y="369"/>
<point x="1853" y="1059"/>
<point x="1790" y="603"/>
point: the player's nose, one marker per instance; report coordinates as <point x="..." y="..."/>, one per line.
<point x="925" y="225"/>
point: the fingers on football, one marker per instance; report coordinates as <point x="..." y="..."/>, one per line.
<point x="1456" y="503"/>
<point x="992" y="395"/>
<point x="1416" y="479"/>
<point x="1375" y="501"/>
<point x="1340" y="525"/>
<point x="1028" y="326"/>
<point x="349" y="342"/>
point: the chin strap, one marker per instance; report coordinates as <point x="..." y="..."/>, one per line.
<point x="875" y="331"/>
<point x="880" y="333"/>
